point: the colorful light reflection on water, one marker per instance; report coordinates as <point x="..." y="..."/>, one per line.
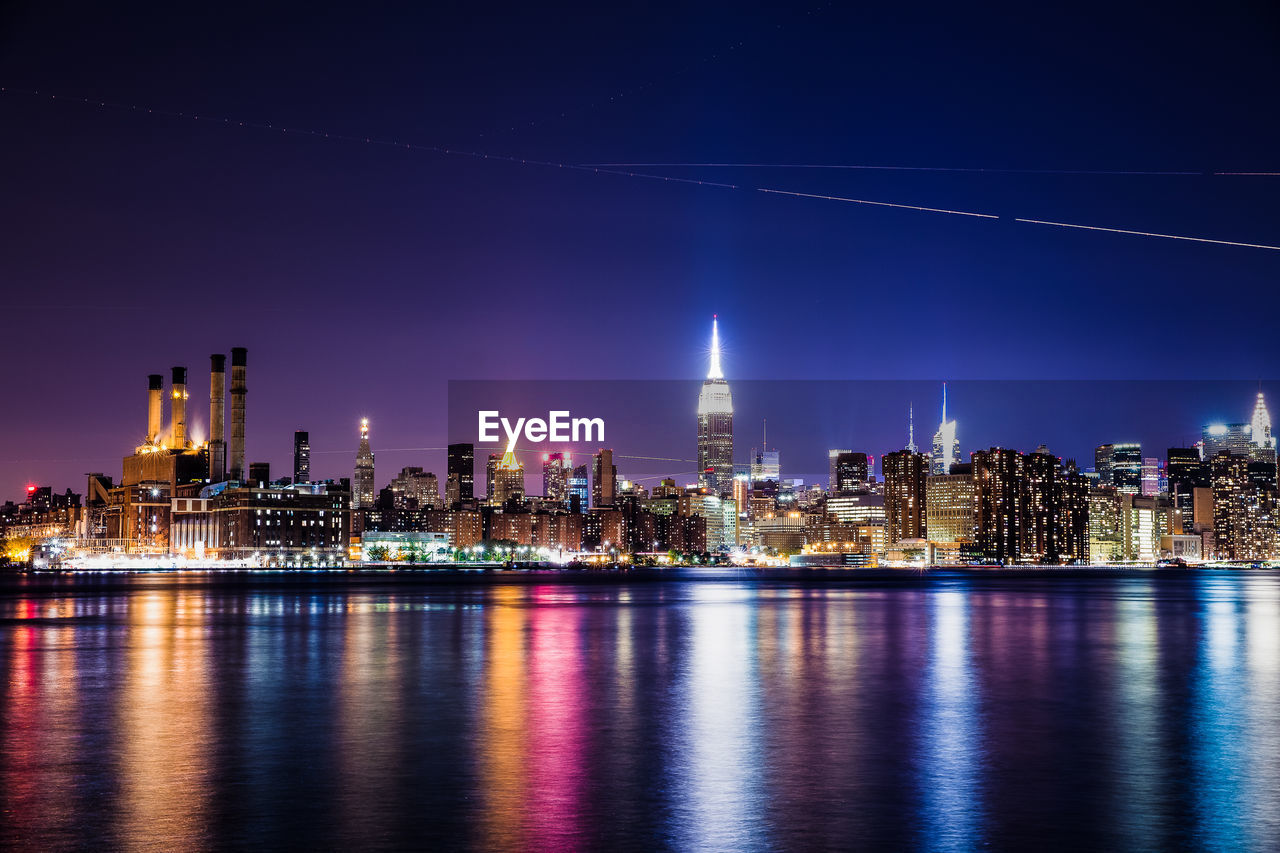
<point x="944" y="712"/>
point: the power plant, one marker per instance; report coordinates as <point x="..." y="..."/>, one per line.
<point x="177" y="497"/>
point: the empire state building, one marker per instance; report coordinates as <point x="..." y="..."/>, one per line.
<point x="715" y="425"/>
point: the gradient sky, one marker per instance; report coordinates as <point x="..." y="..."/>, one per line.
<point x="362" y="277"/>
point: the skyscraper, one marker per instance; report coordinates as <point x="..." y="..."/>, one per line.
<point x="1260" y="425"/>
<point x="604" y="485"/>
<point x="508" y="480"/>
<point x="301" y="457"/>
<point x="579" y="488"/>
<point x="362" y="490"/>
<point x="461" y="474"/>
<point x="852" y="473"/>
<point x="715" y="424"/>
<point x="1119" y="465"/>
<point x="833" y="479"/>
<point x="904" y="495"/>
<point x="1001" y="496"/>
<point x="946" y="447"/>
<point x="555" y="476"/>
<point x="1150" y="476"/>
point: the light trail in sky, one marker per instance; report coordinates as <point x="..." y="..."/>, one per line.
<point x="879" y="203"/>
<point x="876" y="168"/>
<point x="1149" y="234"/>
<point x="627" y="171"/>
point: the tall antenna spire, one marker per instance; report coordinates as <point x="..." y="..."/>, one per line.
<point x="944" y="402"/>
<point x="715" y="372"/>
<point x="911" y="427"/>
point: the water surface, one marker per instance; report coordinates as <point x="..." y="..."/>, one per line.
<point x="945" y="712"/>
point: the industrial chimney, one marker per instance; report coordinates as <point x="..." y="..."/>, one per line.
<point x="178" y="431"/>
<point x="217" y="418"/>
<point x="155" y="400"/>
<point x="237" y="413"/>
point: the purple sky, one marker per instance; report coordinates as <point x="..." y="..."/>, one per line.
<point x="363" y="277"/>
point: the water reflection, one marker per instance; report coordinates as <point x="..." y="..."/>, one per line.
<point x="162" y="720"/>
<point x="943" y="713"/>
<point x="718" y="772"/>
<point x="950" y="777"/>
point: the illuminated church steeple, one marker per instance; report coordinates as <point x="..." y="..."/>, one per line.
<point x="715" y="424"/>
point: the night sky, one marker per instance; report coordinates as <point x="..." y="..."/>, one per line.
<point x="362" y="277"/>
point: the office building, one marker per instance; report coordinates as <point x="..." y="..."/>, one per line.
<point x="301" y="457"/>
<point x="461" y="473"/>
<point x="946" y="446"/>
<point x="905" y="472"/>
<point x="363" y="492"/>
<point x="715" y="425"/>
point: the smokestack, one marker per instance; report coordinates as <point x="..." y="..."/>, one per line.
<point x="237" y="412"/>
<point x="217" y="418"/>
<point x="155" y="400"/>
<point x="178" y="432"/>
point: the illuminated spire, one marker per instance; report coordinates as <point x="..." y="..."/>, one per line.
<point x="1260" y="431"/>
<point x="715" y="372"/>
<point x="944" y="402"/>
<point x="911" y="427"/>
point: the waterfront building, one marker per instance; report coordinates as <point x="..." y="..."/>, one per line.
<point x="905" y="472"/>
<point x="1001" y="500"/>
<point x="1244" y="512"/>
<point x="949" y="506"/>
<point x="299" y="524"/>
<point x="715" y="425"/>
<point x="1106" y="534"/>
<point x="1119" y="465"/>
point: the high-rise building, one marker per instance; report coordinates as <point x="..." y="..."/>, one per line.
<point x="1187" y="472"/>
<point x="1001" y="498"/>
<point x="604" y="480"/>
<point x="949" y="506"/>
<point x="301" y="457"/>
<point x="490" y="475"/>
<point x="1244" y="512"/>
<point x="362" y="488"/>
<point x="556" y="468"/>
<point x="852" y="474"/>
<point x="579" y="489"/>
<point x="833" y="479"/>
<point x="414" y="488"/>
<point x="766" y="465"/>
<point x="1057" y="511"/>
<point x="1106" y="529"/>
<point x="715" y="425"/>
<point x="508" y="480"/>
<point x="1260" y="426"/>
<point x="1119" y="465"/>
<point x="946" y="447"/>
<point x="1150" y="477"/>
<point x="1227" y="438"/>
<point x="461" y="476"/>
<point x="904" y="495"/>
